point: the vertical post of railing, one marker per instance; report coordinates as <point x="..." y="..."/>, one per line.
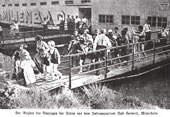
<point x="33" y="31"/>
<point x="154" y="50"/>
<point x="169" y="41"/>
<point x="43" y="33"/>
<point x="3" y="37"/>
<point x="106" y="69"/>
<point x="169" y="33"/>
<point x="70" y="66"/>
<point x="133" y="55"/>
<point x="24" y="37"/>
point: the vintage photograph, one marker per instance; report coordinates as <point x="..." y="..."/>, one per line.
<point x="85" y="54"/>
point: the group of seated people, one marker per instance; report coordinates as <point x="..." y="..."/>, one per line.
<point x="45" y="61"/>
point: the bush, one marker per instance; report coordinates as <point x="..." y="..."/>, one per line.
<point x="34" y="99"/>
<point x="101" y="97"/>
<point x="94" y="97"/>
<point x="6" y="96"/>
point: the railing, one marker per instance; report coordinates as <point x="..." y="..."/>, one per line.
<point x="130" y="57"/>
<point x="12" y="35"/>
<point x="131" y="61"/>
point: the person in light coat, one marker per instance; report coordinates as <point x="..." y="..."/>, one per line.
<point x="26" y="66"/>
<point x="101" y="42"/>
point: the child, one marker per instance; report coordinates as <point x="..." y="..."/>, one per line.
<point x="54" y="59"/>
<point x="16" y="60"/>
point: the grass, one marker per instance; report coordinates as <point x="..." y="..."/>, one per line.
<point x="101" y="97"/>
<point x="6" y="62"/>
<point x="34" y="99"/>
<point x="91" y="97"/>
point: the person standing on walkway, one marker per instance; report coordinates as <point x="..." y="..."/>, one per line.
<point x="12" y="31"/>
<point x="77" y="22"/>
<point x="42" y="48"/>
<point x="16" y="59"/>
<point x="135" y="41"/>
<point x="55" y="59"/>
<point x="72" y="25"/>
<point x="86" y="44"/>
<point x="164" y="36"/>
<point x="62" y="25"/>
<point x="26" y="66"/>
<point x="141" y="34"/>
<point x="113" y="39"/>
<point x="75" y="38"/>
<point x="86" y="36"/>
<point x="45" y="26"/>
<point x="85" y="23"/>
<point x="147" y="30"/>
<point x="69" y="21"/>
<point x="123" y="42"/>
<point x="16" y="28"/>
<point x="116" y="33"/>
<point x="16" y="25"/>
<point x="101" y="42"/>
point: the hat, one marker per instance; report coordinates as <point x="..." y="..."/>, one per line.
<point x="103" y="31"/>
<point x="86" y="30"/>
<point x="38" y="37"/>
<point x="110" y="30"/>
<point x="25" y="46"/>
<point x="52" y="43"/>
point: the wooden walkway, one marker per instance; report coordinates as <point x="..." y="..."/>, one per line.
<point x="45" y="85"/>
<point x="30" y="39"/>
<point x="72" y="79"/>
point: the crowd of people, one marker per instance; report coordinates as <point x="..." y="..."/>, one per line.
<point x="74" y="23"/>
<point x="44" y="62"/>
<point x="113" y="38"/>
<point x="48" y="58"/>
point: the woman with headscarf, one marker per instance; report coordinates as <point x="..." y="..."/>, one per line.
<point x="26" y="66"/>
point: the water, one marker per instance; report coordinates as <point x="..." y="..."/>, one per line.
<point x="151" y="88"/>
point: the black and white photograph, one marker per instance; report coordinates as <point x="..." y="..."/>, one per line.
<point x="102" y="57"/>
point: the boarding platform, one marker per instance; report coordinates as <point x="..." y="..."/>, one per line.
<point x="157" y="56"/>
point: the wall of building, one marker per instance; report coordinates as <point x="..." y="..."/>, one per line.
<point x="142" y="8"/>
<point x="34" y="14"/>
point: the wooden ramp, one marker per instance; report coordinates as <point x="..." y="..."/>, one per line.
<point x="72" y="79"/>
<point x="45" y="85"/>
<point x="30" y="39"/>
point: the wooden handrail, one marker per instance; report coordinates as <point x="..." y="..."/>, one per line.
<point x="110" y="48"/>
<point x="106" y="69"/>
<point x="70" y="71"/>
<point x="115" y="59"/>
<point x="136" y="75"/>
<point x="106" y="58"/>
<point x="86" y="65"/>
<point x="23" y="34"/>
